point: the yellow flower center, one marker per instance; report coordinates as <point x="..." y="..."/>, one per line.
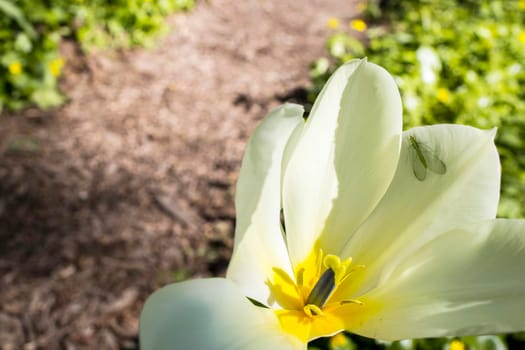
<point x="311" y="304"/>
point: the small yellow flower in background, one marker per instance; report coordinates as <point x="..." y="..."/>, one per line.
<point x="521" y="5"/>
<point x="338" y="340"/>
<point x="360" y="7"/>
<point x="521" y="37"/>
<point x="457" y="345"/>
<point x="358" y="25"/>
<point x="55" y="66"/>
<point x="15" y="68"/>
<point x="332" y="23"/>
<point x="443" y="95"/>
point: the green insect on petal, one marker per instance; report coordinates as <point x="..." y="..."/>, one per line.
<point x="424" y="159"/>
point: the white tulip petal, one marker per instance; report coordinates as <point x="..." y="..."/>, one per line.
<point x="259" y="242"/>
<point x="209" y="314"/>
<point x="344" y="160"/>
<point x="414" y="211"/>
<point x="468" y="281"/>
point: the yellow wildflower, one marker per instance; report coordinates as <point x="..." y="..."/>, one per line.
<point x="457" y="345"/>
<point x="521" y="37"/>
<point x="521" y="4"/>
<point x="15" y="68"/>
<point x="443" y="95"/>
<point x="55" y="66"/>
<point x="360" y="7"/>
<point x="332" y="23"/>
<point x="358" y="25"/>
<point x="338" y="340"/>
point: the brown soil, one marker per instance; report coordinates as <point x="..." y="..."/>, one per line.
<point x="130" y="185"/>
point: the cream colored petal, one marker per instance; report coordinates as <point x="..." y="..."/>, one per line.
<point x="259" y="243"/>
<point x="209" y="314"/>
<point x="414" y="211"/>
<point x="344" y="159"/>
<point x="468" y="281"/>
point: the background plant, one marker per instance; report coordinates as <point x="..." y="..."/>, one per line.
<point x="30" y="33"/>
<point x="454" y="62"/>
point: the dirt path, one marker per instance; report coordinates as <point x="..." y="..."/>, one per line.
<point x="130" y="185"/>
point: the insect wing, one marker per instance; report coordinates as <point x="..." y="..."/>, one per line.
<point x="420" y="171"/>
<point x="432" y="161"/>
<point x="423" y="158"/>
<point x="435" y="164"/>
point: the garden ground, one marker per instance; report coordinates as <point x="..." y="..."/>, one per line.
<point x="130" y="185"/>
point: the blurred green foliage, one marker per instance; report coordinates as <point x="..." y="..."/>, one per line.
<point x="455" y="61"/>
<point x="31" y="30"/>
<point x="344" y="341"/>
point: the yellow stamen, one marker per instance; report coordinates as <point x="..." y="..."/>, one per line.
<point x="351" y="301"/>
<point x="312" y="310"/>
<point x="339" y="267"/>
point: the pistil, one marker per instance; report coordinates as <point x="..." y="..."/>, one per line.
<point x="322" y="289"/>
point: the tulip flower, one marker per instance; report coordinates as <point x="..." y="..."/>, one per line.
<point x="345" y="222"/>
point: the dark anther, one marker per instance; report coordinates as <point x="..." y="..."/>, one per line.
<point x="322" y="289"/>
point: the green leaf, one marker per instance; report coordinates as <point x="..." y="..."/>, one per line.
<point x="11" y="10"/>
<point x="23" y="43"/>
<point x="47" y="97"/>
